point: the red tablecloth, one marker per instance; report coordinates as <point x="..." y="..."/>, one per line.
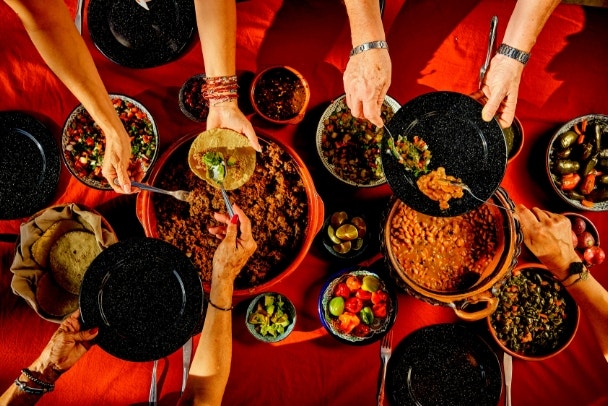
<point x="434" y="45"/>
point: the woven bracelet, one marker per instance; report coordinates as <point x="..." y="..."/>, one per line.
<point x="226" y="309"/>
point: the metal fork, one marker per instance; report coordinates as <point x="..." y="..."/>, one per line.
<point x="178" y="194"/>
<point x="152" y="398"/>
<point x="484" y="67"/>
<point x="466" y="188"/>
<point x="385" y="355"/>
<point x="78" y="18"/>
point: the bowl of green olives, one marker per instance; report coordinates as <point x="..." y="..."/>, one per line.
<point x="577" y="162"/>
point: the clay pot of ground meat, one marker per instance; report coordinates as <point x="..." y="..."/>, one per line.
<point x="458" y="261"/>
<point x="280" y="198"/>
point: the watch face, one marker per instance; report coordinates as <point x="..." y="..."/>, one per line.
<point x="576" y="268"/>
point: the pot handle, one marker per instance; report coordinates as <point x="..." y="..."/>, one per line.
<point x="318" y="222"/>
<point x="491" y="306"/>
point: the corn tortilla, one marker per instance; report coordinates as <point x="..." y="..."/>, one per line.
<point x="70" y="258"/>
<point x="53" y="299"/>
<point x="238" y="154"/>
<point x="42" y="246"/>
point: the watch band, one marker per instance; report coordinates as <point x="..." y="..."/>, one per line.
<point x="514" y="53"/>
<point x="576" y="269"/>
<point x="368" y="45"/>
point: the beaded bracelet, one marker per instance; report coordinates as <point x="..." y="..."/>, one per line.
<point x="226" y="309"/>
<point x="37" y="381"/>
<point x="219" y="89"/>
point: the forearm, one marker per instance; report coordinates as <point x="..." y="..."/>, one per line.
<point x="365" y="21"/>
<point x="51" y="29"/>
<point x="40" y="369"/>
<point x="592" y="298"/>
<point x="527" y="21"/>
<point x="216" y="21"/>
<point x="211" y="364"/>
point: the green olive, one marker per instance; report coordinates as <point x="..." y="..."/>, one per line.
<point x="565" y="166"/>
<point x="567" y="139"/>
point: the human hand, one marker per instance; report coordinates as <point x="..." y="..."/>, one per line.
<point x="228" y="115"/>
<point x="116" y="158"/>
<point x="500" y="89"/>
<point x="67" y="345"/>
<point x="366" y="81"/>
<point x="235" y="249"/>
<point x="549" y="237"/>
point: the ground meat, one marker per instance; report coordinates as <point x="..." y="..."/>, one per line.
<point x="274" y="199"/>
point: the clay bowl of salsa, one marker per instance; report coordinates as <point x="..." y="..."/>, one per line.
<point x="280" y="94"/>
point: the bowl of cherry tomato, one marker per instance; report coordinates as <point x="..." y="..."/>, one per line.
<point x="357" y="305"/>
<point x="83" y="143"/>
<point x="586" y="239"/>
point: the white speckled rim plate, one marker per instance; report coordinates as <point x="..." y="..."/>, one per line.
<point x="591" y="119"/>
<point x="340" y="102"/>
<point x="132" y="36"/>
<point x="65" y="139"/>
<point x="444" y="364"/>
<point x="145" y="296"/>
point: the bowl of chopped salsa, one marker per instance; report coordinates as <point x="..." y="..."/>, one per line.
<point x="536" y="317"/>
<point x="350" y="147"/>
<point x="83" y="143"/>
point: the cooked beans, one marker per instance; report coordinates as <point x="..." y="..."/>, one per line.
<point x="436" y="186"/>
<point x="436" y="251"/>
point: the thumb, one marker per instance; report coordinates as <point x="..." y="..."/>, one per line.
<point x="232" y="229"/>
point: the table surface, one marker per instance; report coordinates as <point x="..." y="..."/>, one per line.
<point x="434" y="45"/>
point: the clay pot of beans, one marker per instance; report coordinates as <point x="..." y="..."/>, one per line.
<point x="455" y="261"/>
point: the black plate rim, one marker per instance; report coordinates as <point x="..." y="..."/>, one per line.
<point x="41" y="193"/>
<point x="444" y="331"/>
<point x="403" y="183"/>
<point x="105" y="42"/>
<point x="131" y="348"/>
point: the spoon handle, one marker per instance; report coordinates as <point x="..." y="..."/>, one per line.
<point x="227" y="202"/>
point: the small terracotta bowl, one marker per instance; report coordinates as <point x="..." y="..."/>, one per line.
<point x="525" y="315"/>
<point x="280" y="94"/>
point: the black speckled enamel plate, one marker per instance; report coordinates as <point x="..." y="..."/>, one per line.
<point x="444" y="364"/>
<point x="145" y="296"/>
<point x="460" y="141"/>
<point x="29" y="165"/>
<point x="131" y="36"/>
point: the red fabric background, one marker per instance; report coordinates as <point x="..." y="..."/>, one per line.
<point x="434" y="45"/>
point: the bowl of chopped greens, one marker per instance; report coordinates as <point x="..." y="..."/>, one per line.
<point x="83" y="142"/>
<point x="536" y="317"/>
<point x="350" y="147"/>
<point x="271" y="317"/>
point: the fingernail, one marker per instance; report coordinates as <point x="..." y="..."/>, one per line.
<point x="94" y="330"/>
<point x="234" y="219"/>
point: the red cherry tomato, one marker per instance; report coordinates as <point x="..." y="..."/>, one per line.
<point x="353" y="305"/>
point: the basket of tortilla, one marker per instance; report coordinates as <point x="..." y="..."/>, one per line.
<point x="211" y="147"/>
<point x="53" y="252"/>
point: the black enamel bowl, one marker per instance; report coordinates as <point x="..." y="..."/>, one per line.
<point x="459" y="140"/>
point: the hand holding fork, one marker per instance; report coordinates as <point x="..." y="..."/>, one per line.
<point x="385" y="355"/>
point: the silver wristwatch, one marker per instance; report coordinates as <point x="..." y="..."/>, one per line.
<point x="514" y="53"/>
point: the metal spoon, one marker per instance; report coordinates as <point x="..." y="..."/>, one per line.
<point x="182" y="195"/>
<point x="220" y="181"/>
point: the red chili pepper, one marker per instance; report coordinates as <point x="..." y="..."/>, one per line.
<point x="379" y="296"/>
<point x="570" y="181"/>
<point x="363" y="294"/>
<point x="588" y="183"/>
